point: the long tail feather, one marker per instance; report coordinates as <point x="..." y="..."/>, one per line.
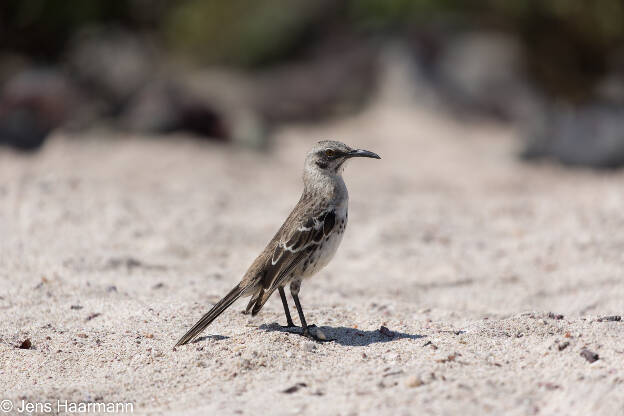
<point x="207" y="319"/>
<point x="253" y="300"/>
<point x="264" y="296"/>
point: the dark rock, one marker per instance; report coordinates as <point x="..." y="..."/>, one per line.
<point x="92" y="316"/>
<point x="12" y="64"/>
<point x="230" y="96"/>
<point x="294" y="388"/>
<point x="122" y="72"/>
<point x="32" y="104"/>
<point x="612" y="318"/>
<point x="163" y="107"/>
<point x="590" y="135"/>
<point x="26" y="344"/>
<point x="385" y="331"/>
<point x="151" y="110"/>
<point x="111" y="63"/>
<point x="482" y="72"/>
<point x="611" y="88"/>
<point x="590" y="356"/>
<point x="333" y="80"/>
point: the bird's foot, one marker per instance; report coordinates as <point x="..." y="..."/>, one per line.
<point x="289" y="324"/>
<point x="316" y="335"/>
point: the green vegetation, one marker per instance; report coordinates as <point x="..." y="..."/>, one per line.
<point x="570" y="33"/>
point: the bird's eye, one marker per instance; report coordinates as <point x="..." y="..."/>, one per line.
<point x="329" y="153"/>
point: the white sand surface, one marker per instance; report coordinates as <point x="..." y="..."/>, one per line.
<point x="110" y="249"/>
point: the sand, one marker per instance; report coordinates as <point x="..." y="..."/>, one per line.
<point x="111" y="248"/>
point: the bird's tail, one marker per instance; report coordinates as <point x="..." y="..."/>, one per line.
<point x="254" y="299"/>
<point x="262" y="298"/>
<point x="216" y="310"/>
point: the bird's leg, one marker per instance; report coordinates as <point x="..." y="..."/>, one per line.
<point x="289" y="322"/>
<point x="294" y="291"/>
<point x="304" y="324"/>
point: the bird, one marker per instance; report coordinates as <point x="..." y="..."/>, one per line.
<point x="304" y="244"/>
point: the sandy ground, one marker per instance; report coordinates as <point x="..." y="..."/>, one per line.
<point x="111" y="249"/>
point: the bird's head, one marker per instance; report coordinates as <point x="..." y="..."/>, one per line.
<point x="329" y="157"/>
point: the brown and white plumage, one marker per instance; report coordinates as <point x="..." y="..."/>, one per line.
<point x="304" y="244"/>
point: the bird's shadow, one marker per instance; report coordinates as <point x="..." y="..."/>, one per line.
<point x="346" y="336"/>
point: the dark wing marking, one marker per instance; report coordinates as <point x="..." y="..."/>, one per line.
<point x="330" y="221"/>
<point x="295" y="259"/>
<point x="277" y="279"/>
<point x="309" y="233"/>
<point x="292" y="248"/>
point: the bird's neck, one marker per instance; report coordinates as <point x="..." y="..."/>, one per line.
<point x="324" y="184"/>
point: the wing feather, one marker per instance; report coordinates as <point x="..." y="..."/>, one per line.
<point x="293" y="246"/>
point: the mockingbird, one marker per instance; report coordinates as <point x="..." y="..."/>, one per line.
<point x="304" y="244"/>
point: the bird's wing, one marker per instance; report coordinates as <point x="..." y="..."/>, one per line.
<point x="295" y="244"/>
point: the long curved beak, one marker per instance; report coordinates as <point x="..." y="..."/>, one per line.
<point x="363" y="153"/>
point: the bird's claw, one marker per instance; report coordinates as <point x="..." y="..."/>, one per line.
<point x="315" y="337"/>
<point x="294" y="329"/>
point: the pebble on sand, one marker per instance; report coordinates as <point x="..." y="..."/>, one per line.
<point x="590" y="356"/>
<point x="414" y="381"/>
<point x="26" y="344"/>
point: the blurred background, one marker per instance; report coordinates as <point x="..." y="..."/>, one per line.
<point x="233" y="71"/>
